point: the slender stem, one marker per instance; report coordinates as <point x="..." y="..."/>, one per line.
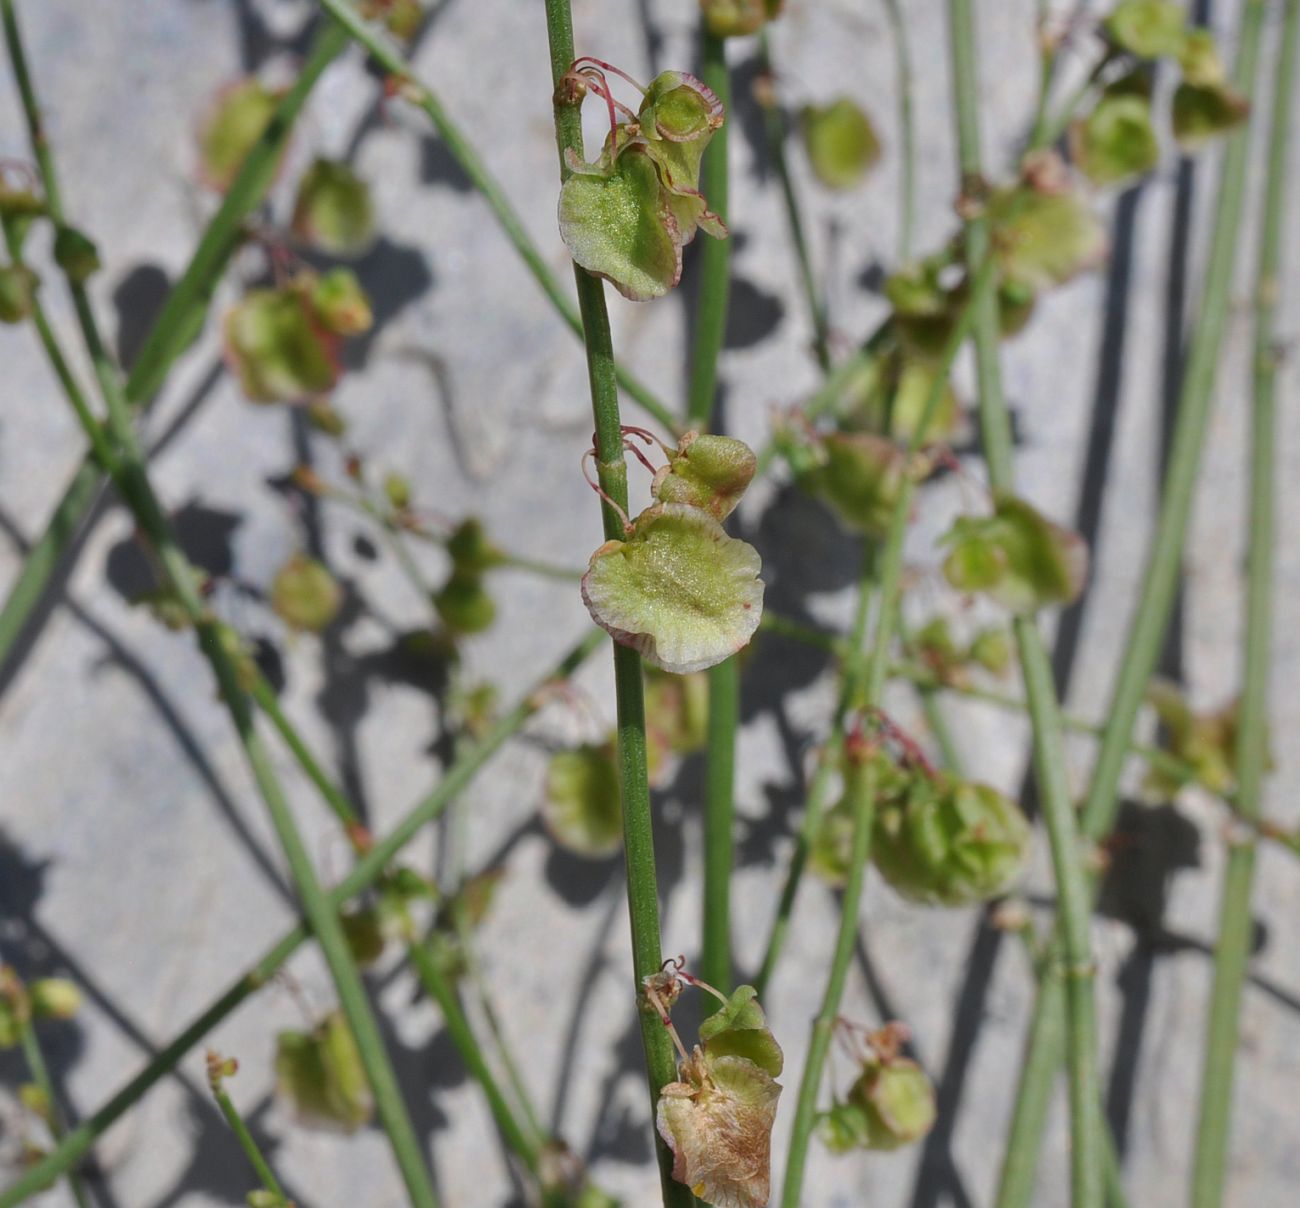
<point x="256" y="1159"/>
<point x="462" y="1036"/>
<point x="823" y="778"/>
<point x="179" y="321"/>
<point x="906" y="130"/>
<point x="638" y="827"/>
<point x="867" y="694"/>
<point x="133" y="480"/>
<point x="1044" y="710"/>
<point x="1235" y="930"/>
<point x="719" y="823"/>
<point x="368" y="869"/>
<point x="775" y="130"/>
<point x="715" y="255"/>
<point x="382" y="50"/>
<point x="864" y="809"/>
<point x="31" y="1046"/>
<point x="932" y="707"/>
<point x="1146" y="632"/>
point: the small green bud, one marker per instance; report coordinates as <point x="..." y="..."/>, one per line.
<point x="471" y="550"/>
<point x="238" y="118"/>
<point x="464" y="604"/>
<point x="397" y="490"/>
<point x="305" y="595"/>
<point x="842" y="144"/>
<point x="991" y="649"/>
<point x="18" y="285"/>
<point x="861" y="479"/>
<point x="363" y="930"/>
<point x="949" y="843"/>
<point x="278" y="349"/>
<point x="709" y="472"/>
<point x="583" y="810"/>
<point x="1200" y="60"/>
<point x="75" y="253"/>
<point x="1148" y="29"/>
<point x="333" y="210"/>
<point x="265" y="1199"/>
<point x="734" y="18"/>
<point x="36" y="1101"/>
<point x="340" y="303"/>
<point x="54" y="998"/>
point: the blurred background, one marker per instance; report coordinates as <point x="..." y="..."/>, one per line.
<point x="134" y="855"/>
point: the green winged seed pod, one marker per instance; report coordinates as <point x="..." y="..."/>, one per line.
<point x="1044" y="238"/>
<point x="235" y="122"/>
<point x="616" y="220"/>
<point x="1116" y="141"/>
<point x="463" y="603"/>
<point x="471" y="550"/>
<point x="860" y="477"/>
<point x="1202" y="113"/>
<point x="319" y="1073"/>
<point x="896" y="1101"/>
<point x="76" y="254"/>
<point x="582" y="811"/>
<point x="278" y="348"/>
<point x="950" y="843"/>
<point x="991" y="649"/>
<point x="739" y="1029"/>
<point x="1207" y="742"/>
<point x="889" y="394"/>
<point x="677" y="709"/>
<point x="923" y="307"/>
<point x="1017" y="557"/>
<point x="18" y="285"/>
<point x="842" y="144"/>
<point x="677" y="589"/>
<point x="832" y="843"/>
<point x="305" y="595"/>
<point x="709" y="472"/>
<point x="333" y="210"/>
<point x="340" y="304"/>
<point x="1148" y="29"/>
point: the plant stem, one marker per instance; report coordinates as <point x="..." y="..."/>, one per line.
<point x="638" y="825"/>
<point x="179" y="321"/>
<point x="368" y="869"/>
<point x="131" y="475"/>
<point x="256" y="1159"/>
<point x="1044" y="710"/>
<point x="382" y="50"/>
<point x="906" y="130"/>
<point x="40" y="1072"/>
<point x="462" y="1036"/>
<point x="1235" y="931"/>
<point x="776" y="129"/>
<point x="866" y="694"/>
<point x="1146" y="632"/>
<point x="715" y="255"/>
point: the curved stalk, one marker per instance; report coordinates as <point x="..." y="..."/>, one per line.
<point x="177" y="324"/>
<point x="638" y="829"/>
<point x="1044" y="710"/>
<point x="256" y="1159"/>
<point x="1146" y="631"/>
<point x="40" y="1072"/>
<point x="866" y="693"/>
<point x="1209" y="1171"/>
<point x="367" y="870"/>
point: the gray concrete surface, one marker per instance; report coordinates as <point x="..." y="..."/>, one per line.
<point x="129" y="821"/>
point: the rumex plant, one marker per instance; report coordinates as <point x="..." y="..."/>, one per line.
<point x="681" y="596"/>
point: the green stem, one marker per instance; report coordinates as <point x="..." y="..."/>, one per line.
<point x="1044" y="710"/>
<point x="775" y="129"/>
<point x="180" y="319"/>
<point x="715" y="255"/>
<point x="132" y="477"/>
<point x="31" y="1046"/>
<point x="866" y="693"/>
<point x="382" y="50"/>
<point x="638" y="826"/>
<point x="256" y="1159"/>
<point x="719" y="823"/>
<point x="1235" y="929"/>
<point x="906" y="130"/>
<point x="1147" y="629"/>
<point x="368" y="869"/>
<point x="462" y="1036"/>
